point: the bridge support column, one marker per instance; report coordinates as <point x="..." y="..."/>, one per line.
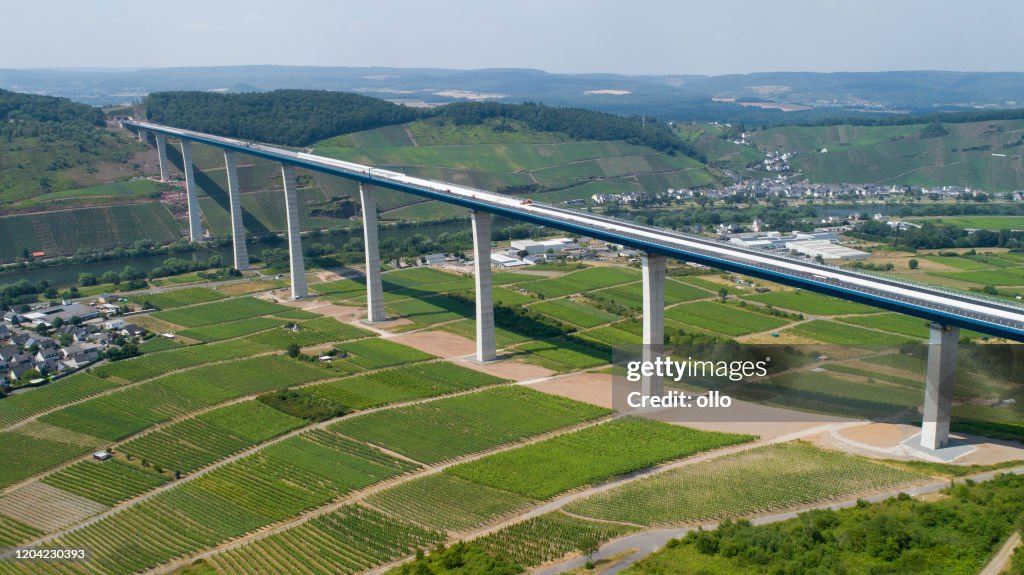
<point x="195" y="227"/>
<point x="161" y="153"/>
<point x="938" y="391"/>
<point x="374" y="291"/>
<point x="235" y="204"/>
<point x="291" y="206"/>
<point x="654" y="269"/>
<point x="143" y="136"/>
<point x="486" y="348"/>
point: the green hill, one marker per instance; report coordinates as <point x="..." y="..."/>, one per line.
<point x="508" y="156"/>
<point x="985" y="155"/>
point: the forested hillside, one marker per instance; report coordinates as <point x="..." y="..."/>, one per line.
<point x="49" y="145"/>
<point x="287" y="117"/>
<point x="302" y="117"/>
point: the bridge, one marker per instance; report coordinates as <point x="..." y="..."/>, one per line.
<point x="947" y="310"/>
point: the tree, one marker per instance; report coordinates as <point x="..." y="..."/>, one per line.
<point x="86" y="279"/>
<point x="588" y="546"/>
<point x="912" y="264"/>
<point x="723" y="293"/>
<point x="294" y="349"/>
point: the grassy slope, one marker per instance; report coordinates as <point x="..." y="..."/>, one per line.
<point x="896" y="154"/>
<point x="483" y="157"/>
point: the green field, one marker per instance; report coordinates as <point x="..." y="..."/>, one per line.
<point x="282" y="480"/>
<point x="310" y="332"/>
<point x="445" y="502"/>
<point x="220" y="312"/>
<point x="994" y="223"/>
<point x="833" y="332"/>
<point x="545" y="469"/>
<point x="631" y="295"/>
<point x="107" y="482"/>
<point x="375" y="353"/>
<point x="810" y="303"/>
<point x="574" y="313"/>
<point x="231" y="329"/>
<point x="893" y="322"/>
<point x="179" y="297"/>
<point x="723" y="318"/>
<point x="548" y="537"/>
<point x="898" y="155"/>
<point x="581" y="281"/>
<point x="447" y="428"/>
<point x="564" y="354"/>
<point x="15" y="408"/>
<point x="394" y="385"/>
<point x="349" y="540"/>
<point x="197" y="442"/>
<point x="430" y="311"/>
<point x="118" y="415"/>
<point x="152" y="365"/>
<point x="758" y="480"/>
<point x="66" y="232"/>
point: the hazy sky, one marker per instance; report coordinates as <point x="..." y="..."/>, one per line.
<point x="628" y="36"/>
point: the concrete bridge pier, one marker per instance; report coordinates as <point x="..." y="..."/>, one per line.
<point x="161" y="152"/>
<point x="938" y="391"/>
<point x="374" y="290"/>
<point x="235" y="204"/>
<point x="486" y="348"/>
<point x="195" y="227"/>
<point x="653" y="267"/>
<point x="143" y="136"/>
<point x="291" y="206"/>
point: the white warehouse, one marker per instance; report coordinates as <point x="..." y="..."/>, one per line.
<point x="826" y="249"/>
<point x="541" y="247"/>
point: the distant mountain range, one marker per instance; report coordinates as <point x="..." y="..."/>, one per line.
<point x="765" y="98"/>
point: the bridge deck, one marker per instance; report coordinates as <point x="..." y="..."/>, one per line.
<point x="986" y="315"/>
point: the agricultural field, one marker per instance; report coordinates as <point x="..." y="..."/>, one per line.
<point x="582" y="281"/>
<point x="892" y="322"/>
<point x="615" y="335"/>
<point x="348" y="540"/>
<point x="842" y="394"/>
<point x="231" y="329"/>
<point x="15" y="408"/>
<point x="278" y="482"/>
<point x="376" y="353"/>
<point x="898" y="155"/>
<point x="467" y="329"/>
<point x="47" y="508"/>
<point x="631" y="295"/>
<point x="810" y="303"/>
<point x="108" y="482"/>
<point x="758" y="480"/>
<point x="723" y="318"/>
<point x="564" y="354"/>
<point x="38" y="446"/>
<point x="405" y="383"/>
<point x="197" y="442"/>
<point x="179" y="297"/>
<point x="548" y="537"/>
<point x="219" y="312"/>
<point x="65" y="232"/>
<point x="545" y="469"/>
<point x="119" y="415"/>
<point x="153" y="365"/>
<point x="575" y="313"/>
<point x="827" y="331"/>
<point x="447" y="503"/>
<point x="309" y="332"/>
<point x="430" y="311"/>
<point x="447" y="428"/>
<point x="13" y="532"/>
